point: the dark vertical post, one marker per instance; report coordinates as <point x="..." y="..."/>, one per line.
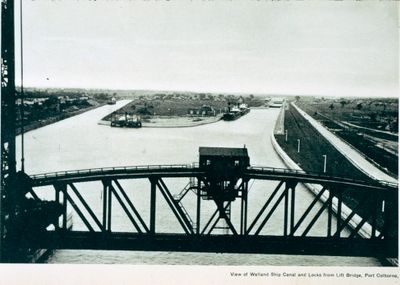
<point x="153" y="182"/>
<point x="244" y="207"/>
<point x="105" y="195"/>
<point x="109" y="207"/>
<point x="286" y="209"/>
<point x="8" y="160"/>
<point x="64" y="190"/>
<point x="384" y="215"/>
<point x="198" y="207"/>
<point x="375" y="206"/>
<point x="57" y="199"/>
<point x="339" y="213"/>
<point x="242" y="210"/>
<point x="292" y="207"/>
<point x="329" y="233"/>
<point x="22" y="89"/>
<point x="7" y="88"/>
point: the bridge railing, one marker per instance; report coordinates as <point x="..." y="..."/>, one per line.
<point x="104" y="170"/>
<point x="320" y="175"/>
<point x="124" y="169"/>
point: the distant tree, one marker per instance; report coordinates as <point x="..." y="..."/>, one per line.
<point x="331" y="106"/>
<point x="297" y="98"/>
<point x="359" y="106"/>
<point x="51" y="101"/>
<point x="100" y="96"/>
<point x="143" y="111"/>
<point x="343" y="103"/>
<point x="251" y="96"/>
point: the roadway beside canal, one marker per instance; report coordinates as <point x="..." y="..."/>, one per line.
<point x="349" y="152"/>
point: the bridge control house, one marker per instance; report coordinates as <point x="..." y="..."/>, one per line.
<point x="224" y="166"/>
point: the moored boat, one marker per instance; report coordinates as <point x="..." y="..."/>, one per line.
<point x="126" y="121"/>
<point x="276" y="102"/>
<point x="236" y="112"/>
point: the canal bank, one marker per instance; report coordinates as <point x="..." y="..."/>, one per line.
<point x="353" y="155"/>
<point x="366" y="229"/>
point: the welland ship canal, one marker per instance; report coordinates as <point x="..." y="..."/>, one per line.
<point x="80" y="142"/>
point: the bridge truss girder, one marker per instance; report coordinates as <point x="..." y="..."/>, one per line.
<point x="218" y="244"/>
<point x="245" y="236"/>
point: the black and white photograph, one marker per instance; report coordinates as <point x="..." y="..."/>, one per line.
<point x="253" y="141"/>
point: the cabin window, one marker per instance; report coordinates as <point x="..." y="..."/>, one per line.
<point x="237" y="162"/>
<point x="208" y="162"/>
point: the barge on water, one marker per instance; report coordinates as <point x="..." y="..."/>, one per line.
<point x="236" y="112"/>
<point x="126" y="121"/>
<point x="277" y="102"/>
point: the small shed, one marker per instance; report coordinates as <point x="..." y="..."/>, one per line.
<point x="223" y="160"/>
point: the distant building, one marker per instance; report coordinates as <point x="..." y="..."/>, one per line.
<point x="276" y="102"/>
<point x="205" y="110"/>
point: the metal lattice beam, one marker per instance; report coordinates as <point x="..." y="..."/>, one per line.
<point x="145" y="233"/>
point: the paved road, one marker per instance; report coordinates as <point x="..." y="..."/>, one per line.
<point x="354" y="156"/>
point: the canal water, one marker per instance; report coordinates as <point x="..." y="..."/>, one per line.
<point x="80" y="142"/>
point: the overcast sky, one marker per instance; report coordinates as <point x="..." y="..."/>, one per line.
<point x="328" y="48"/>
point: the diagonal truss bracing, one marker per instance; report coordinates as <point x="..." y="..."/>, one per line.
<point x="326" y="206"/>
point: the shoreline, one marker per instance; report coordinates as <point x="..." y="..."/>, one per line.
<point x="52" y="120"/>
<point x="366" y="229"/>
<point x="173" y="122"/>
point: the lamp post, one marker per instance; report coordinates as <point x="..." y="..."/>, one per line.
<point x="285" y="135"/>
<point x="298" y="145"/>
<point x="324" y="162"/>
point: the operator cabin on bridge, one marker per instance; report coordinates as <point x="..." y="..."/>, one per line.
<point x="224" y="167"/>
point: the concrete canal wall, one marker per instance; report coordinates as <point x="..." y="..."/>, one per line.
<point x="366" y="229"/>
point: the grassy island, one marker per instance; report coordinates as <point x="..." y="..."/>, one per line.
<point x="180" y="109"/>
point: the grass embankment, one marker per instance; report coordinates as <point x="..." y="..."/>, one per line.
<point x="310" y="158"/>
<point x="46" y="106"/>
<point x="312" y="148"/>
<point x="33" y="125"/>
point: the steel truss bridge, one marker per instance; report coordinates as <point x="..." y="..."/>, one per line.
<point x="241" y="235"/>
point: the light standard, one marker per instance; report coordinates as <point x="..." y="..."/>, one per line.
<point x="285" y="135"/>
<point x="324" y="162"/>
<point x="298" y="145"/>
